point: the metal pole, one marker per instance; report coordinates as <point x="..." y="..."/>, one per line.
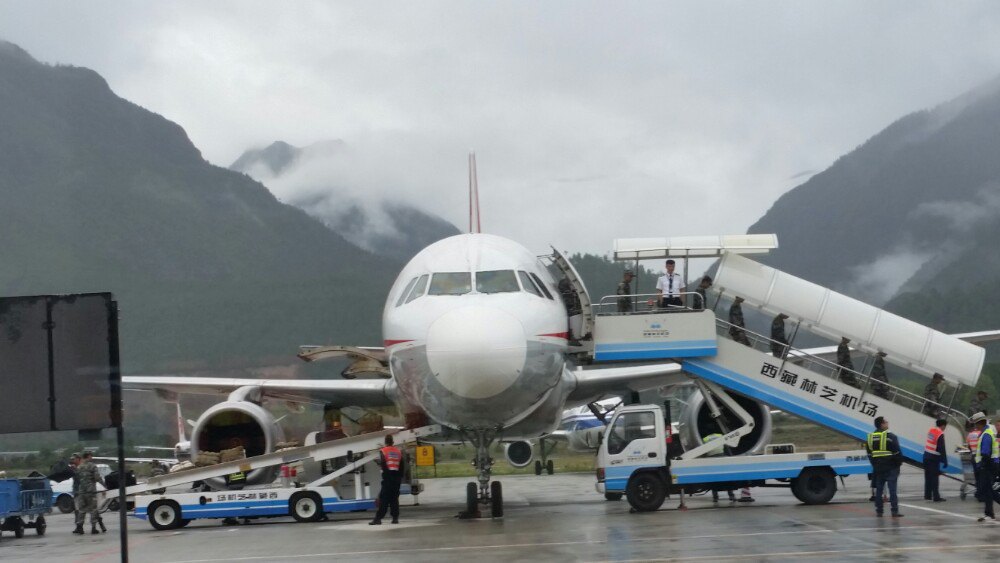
<point x="116" y="419"/>
<point x="635" y="293"/>
<point x="48" y="326"/>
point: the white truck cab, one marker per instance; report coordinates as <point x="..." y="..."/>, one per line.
<point x="640" y="460"/>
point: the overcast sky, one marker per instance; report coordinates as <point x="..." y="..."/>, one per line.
<point x="591" y="121"/>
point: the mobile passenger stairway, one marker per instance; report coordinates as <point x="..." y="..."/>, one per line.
<point x="796" y="381"/>
<point x="345" y="488"/>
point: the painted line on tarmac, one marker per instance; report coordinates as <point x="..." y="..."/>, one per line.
<point x="783" y="554"/>
<point x="565" y="543"/>
<point x="955" y="514"/>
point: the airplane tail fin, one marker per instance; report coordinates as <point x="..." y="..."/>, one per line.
<point x="474" y="224"/>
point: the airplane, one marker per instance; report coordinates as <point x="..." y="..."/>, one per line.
<point x="475" y="339"/>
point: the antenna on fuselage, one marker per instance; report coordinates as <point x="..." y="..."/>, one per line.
<point x="474" y="224"/>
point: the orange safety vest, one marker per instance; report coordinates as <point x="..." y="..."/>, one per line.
<point x="972" y="440"/>
<point x="393" y="458"/>
<point x="932" y="437"/>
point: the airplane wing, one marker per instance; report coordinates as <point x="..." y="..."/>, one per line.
<point x="366" y="362"/>
<point x="336" y="392"/>
<point x="163" y="460"/>
<point x="596" y="383"/>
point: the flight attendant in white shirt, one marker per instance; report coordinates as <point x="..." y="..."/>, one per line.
<point x="669" y="288"/>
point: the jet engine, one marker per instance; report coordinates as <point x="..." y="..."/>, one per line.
<point x="519" y="454"/>
<point x="696" y="423"/>
<point x="235" y="423"/>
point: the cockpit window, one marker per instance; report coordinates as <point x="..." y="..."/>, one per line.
<point x="418" y="289"/>
<point x="541" y="285"/>
<point x="529" y="285"/>
<point x="451" y="283"/>
<point x="497" y="281"/>
<point x="405" y="292"/>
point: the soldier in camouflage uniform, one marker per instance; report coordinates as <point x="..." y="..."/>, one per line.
<point x="86" y="498"/>
<point x="879" y="380"/>
<point x="846" y="371"/>
<point x="932" y="392"/>
<point x="625" y="288"/>
<point x="74" y="463"/>
<point x="779" y="344"/>
<point x="736" y="320"/>
<point x="701" y="292"/>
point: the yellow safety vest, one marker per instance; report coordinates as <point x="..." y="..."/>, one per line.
<point x="878" y="444"/>
<point x="979" y="444"/>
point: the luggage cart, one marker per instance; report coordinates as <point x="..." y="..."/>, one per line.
<point x="24" y="504"/>
<point x="968" y="474"/>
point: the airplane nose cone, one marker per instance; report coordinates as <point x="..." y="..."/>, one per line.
<point x="476" y="352"/>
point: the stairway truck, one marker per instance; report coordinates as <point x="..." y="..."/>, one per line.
<point x="350" y="491"/>
<point x="639" y="460"/>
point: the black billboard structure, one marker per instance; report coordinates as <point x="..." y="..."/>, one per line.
<point x="60" y="370"/>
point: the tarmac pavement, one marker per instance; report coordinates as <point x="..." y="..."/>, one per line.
<point x="562" y="518"/>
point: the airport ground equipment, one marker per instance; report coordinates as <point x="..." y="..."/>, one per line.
<point x="351" y="484"/>
<point x="640" y="460"/>
<point x="24" y="504"/>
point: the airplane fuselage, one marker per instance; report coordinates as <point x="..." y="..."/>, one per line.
<point x="476" y="337"/>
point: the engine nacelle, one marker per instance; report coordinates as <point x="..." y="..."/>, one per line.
<point x="519" y="454"/>
<point x="696" y="423"/>
<point x="238" y="423"/>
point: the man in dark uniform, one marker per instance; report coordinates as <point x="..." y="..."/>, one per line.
<point x="846" y="371"/>
<point x="779" y="344"/>
<point x="987" y="460"/>
<point x="701" y="297"/>
<point x="885" y="457"/>
<point x="625" y="290"/>
<point x="736" y="320"/>
<point x="880" y="381"/>
<point x="391" y="460"/>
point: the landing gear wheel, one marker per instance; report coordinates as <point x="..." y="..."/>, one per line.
<point x="40" y="525"/>
<point x="65" y="504"/>
<point x="549" y="467"/>
<point x="814" y="485"/>
<point x="164" y="514"/>
<point x="496" y="499"/>
<point x="612" y="496"/>
<point x="305" y="506"/>
<point x="646" y="492"/>
<point x="471" y="500"/>
<point x="18" y="527"/>
<point x="538" y="467"/>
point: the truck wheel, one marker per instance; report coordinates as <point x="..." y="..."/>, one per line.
<point x="496" y="499"/>
<point x="305" y="506"/>
<point x="64" y="503"/>
<point x="612" y="496"/>
<point x="815" y="485"/>
<point x="538" y="467"/>
<point x="18" y="527"/>
<point x="164" y="514"/>
<point x="549" y="468"/>
<point x="646" y="492"/>
<point x="40" y="525"/>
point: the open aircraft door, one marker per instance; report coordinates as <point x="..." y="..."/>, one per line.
<point x="582" y="324"/>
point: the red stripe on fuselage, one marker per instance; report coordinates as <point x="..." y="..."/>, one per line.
<point x="563" y="335"/>
<point x="390" y="343"/>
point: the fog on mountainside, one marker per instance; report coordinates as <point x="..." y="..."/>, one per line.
<point x="909" y="220"/>
<point x="315" y="178"/>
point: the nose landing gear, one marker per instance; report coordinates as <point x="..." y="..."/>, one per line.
<point x="485" y="493"/>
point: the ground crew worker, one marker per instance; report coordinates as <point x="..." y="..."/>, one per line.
<point x="74" y="463"/>
<point x="932" y="392"/>
<point x="736" y="321"/>
<point x="935" y="459"/>
<point x="720" y="450"/>
<point x="987" y="460"/>
<point x="779" y="344"/>
<point x="625" y="289"/>
<point x="978" y="403"/>
<point x="880" y="382"/>
<point x="701" y="293"/>
<point x="846" y="372"/>
<point x="972" y="441"/>
<point x="86" y="499"/>
<point x="391" y="460"/>
<point x="885" y="457"/>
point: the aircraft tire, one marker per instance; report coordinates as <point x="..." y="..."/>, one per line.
<point x="496" y="499"/>
<point x="471" y="499"/>
<point x="538" y="467"/>
<point x="549" y="467"/>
